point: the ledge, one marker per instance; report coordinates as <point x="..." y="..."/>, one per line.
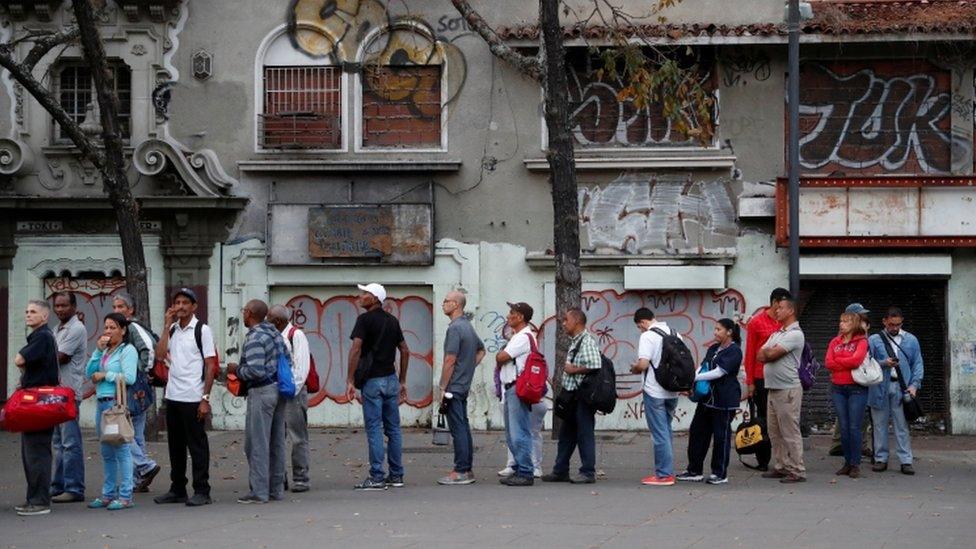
<point x="542" y="260"/>
<point x="394" y="165"/>
<point x="756" y="207"/>
<point x="102" y="203"/>
<point x="707" y="159"/>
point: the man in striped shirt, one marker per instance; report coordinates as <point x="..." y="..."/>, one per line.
<point x="577" y="430"/>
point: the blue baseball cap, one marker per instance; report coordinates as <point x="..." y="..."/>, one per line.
<point x="857" y="309"/>
<point x="186" y="292"/>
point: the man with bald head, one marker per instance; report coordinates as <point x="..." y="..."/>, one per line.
<point x="264" y="424"/>
<point x="296" y="409"/>
<point x="463" y="351"/>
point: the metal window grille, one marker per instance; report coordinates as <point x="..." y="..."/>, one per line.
<point x="76" y="90"/>
<point x="302" y="108"/>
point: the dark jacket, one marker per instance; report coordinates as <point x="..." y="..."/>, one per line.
<point x="725" y="393"/>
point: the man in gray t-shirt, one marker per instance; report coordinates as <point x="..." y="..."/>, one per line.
<point x="784" y="372"/>
<point x="463" y="351"/>
<point x="68" y="482"/>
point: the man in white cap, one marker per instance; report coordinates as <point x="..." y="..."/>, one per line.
<point x="376" y="337"/>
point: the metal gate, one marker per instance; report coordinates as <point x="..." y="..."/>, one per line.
<point x="924" y="305"/>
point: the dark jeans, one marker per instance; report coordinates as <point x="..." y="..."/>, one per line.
<point x="457" y="421"/>
<point x="850" y="402"/>
<point x="35" y="451"/>
<point x="765" y="453"/>
<point x="713" y="426"/>
<point x="577" y="431"/>
<point x="185" y="432"/>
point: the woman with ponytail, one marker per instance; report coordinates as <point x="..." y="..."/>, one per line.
<point x="713" y="416"/>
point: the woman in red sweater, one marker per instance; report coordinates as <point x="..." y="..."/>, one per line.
<point x="845" y="353"/>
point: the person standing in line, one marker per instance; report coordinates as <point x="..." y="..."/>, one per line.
<point x="781" y="370"/>
<point x="264" y="428"/>
<point x="38" y="365"/>
<point x="376" y="338"/>
<point x="900" y="356"/>
<point x="296" y="409"/>
<point x="845" y="352"/>
<point x="463" y="351"/>
<point x="659" y="403"/>
<point x="68" y="484"/>
<point x="113" y="359"/>
<point x="713" y="416"/>
<point x="187" y="396"/>
<point x="144" y="342"/>
<point x="518" y="415"/>
<point x="577" y="431"/>
<point x="762" y="325"/>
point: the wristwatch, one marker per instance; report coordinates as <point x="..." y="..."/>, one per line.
<point x="206" y="397"/>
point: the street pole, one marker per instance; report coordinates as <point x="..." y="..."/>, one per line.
<point x="793" y="99"/>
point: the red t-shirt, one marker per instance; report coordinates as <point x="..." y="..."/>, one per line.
<point x="758" y="330"/>
<point x="844" y="357"/>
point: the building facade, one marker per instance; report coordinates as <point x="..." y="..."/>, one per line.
<point x="286" y="151"/>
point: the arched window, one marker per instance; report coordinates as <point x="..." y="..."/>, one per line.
<point x="76" y="91"/>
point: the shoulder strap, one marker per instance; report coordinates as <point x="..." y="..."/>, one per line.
<point x="661" y="332"/>
<point x="576" y="350"/>
<point x="198" y="335"/>
<point x="891" y="353"/>
<point x="291" y="333"/>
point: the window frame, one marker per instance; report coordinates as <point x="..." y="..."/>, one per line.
<point x="76" y="64"/>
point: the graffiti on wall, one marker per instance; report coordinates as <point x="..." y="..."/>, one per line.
<point x="328" y="326"/>
<point x="636" y="213"/>
<point x="877" y="117"/>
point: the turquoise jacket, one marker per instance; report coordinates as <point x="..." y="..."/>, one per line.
<point x="123" y="361"/>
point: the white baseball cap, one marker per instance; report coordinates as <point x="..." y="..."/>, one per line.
<point x="376" y="289"/>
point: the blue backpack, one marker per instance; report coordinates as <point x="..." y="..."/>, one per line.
<point x="701" y="389"/>
<point x="286" y="381"/>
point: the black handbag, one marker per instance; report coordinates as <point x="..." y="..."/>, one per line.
<point x="909" y="404"/>
<point x="564" y="405"/>
<point x="751" y="436"/>
<point x="361" y="375"/>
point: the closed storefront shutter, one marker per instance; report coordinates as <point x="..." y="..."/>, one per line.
<point x="924" y="305"/>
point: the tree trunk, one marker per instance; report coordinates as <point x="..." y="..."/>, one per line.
<point x="562" y="178"/>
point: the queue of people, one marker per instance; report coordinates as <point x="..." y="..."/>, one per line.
<point x="377" y="368"/>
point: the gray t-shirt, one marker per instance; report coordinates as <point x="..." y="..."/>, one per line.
<point x="72" y="340"/>
<point x="785" y="372"/>
<point x="462" y="342"/>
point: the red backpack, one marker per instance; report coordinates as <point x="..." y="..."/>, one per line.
<point x="530" y="386"/>
<point x="312" y="381"/>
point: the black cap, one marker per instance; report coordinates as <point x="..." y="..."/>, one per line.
<point x="779" y="294"/>
<point x="188" y="293"/>
<point x="522" y="308"/>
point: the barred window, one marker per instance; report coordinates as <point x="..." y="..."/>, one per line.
<point x="402" y="107"/>
<point x="76" y="90"/>
<point x="302" y="107"/>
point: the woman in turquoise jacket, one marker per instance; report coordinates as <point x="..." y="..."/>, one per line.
<point x="113" y="358"/>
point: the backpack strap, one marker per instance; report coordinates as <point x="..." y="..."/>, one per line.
<point x="291" y="333"/>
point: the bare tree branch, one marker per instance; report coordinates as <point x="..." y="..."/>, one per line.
<point x="529" y="66"/>
<point x="45" y="44"/>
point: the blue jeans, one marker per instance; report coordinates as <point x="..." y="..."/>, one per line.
<point x="659" y="412"/>
<point x="575" y="432"/>
<point x="850" y="402"/>
<point x="69" y="459"/>
<point x="381" y="414"/>
<point x="117" y="461"/>
<point x="457" y="421"/>
<point x="893" y="411"/>
<point x="518" y="433"/>
<point x="140" y="461"/>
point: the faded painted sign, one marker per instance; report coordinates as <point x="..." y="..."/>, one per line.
<point x="875" y="117"/>
<point x="396" y="233"/>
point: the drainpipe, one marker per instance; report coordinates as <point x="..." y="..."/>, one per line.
<point x="793" y="100"/>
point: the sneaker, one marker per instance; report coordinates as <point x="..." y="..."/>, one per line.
<point x="67" y="497"/>
<point x="906" y="469"/>
<point x="99" y="503"/>
<point x="688" y="476"/>
<point x="553" y="477"/>
<point x="34" y="510"/>
<point x="879" y="467"/>
<point x="21" y="507"/>
<point x="394" y="481"/>
<point x="170" y="497"/>
<point x="370" y="484"/>
<point x="251" y="499"/>
<point x="516" y="480"/>
<point x="456" y="479"/>
<point x="198" y="499"/>
<point x="297" y="488"/>
<point x="506" y="472"/>
<point x="655" y="480"/>
<point x="792" y="479"/>
<point x="142" y="485"/>
<point x="120" y="504"/>
<point x="715" y="479"/>
<point x="775" y="473"/>
<point x="582" y="479"/>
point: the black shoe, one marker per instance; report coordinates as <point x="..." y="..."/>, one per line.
<point x="879" y="467"/>
<point x="199" y="499"/>
<point x="33" y="510"/>
<point x="170" y="497"/>
<point x="370" y="484"/>
<point x="297" y="488"/>
<point x="582" y="479"/>
<point x="906" y="469"/>
<point x="835" y="451"/>
<point x="553" y="477"/>
<point x="515" y="480"/>
<point x="394" y="481"/>
<point x="146" y="480"/>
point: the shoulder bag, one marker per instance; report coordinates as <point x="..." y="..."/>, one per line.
<point x="869" y="372"/>
<point x="564" y="405"/>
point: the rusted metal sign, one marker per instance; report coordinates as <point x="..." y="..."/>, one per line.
<point x="393" y="233"/>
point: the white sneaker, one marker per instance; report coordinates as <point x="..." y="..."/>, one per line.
<point x="537" y="473"/>
<point x="506" y="472"/>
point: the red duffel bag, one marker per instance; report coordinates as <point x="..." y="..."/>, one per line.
<point x="38" y="409"/>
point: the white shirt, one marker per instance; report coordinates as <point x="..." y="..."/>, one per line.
<point x="300" y="354"/>
<point x="185" y="363"/>
<point x="518" y="348"/>
<point x="649" y="348"/>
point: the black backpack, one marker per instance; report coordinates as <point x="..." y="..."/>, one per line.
<point x="599" y="389"/>
<point x="676" y="372"/>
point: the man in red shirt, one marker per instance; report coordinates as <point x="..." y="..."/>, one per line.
<point x="760" y="327"/>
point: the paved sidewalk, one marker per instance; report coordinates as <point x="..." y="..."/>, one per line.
<point x="935" y="508"/>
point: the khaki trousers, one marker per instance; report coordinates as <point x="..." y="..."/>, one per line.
<point x="783" y="424"/>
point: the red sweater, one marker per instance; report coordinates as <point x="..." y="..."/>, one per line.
<point x="760" y="327"/>
<point x="844" y="357"/>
